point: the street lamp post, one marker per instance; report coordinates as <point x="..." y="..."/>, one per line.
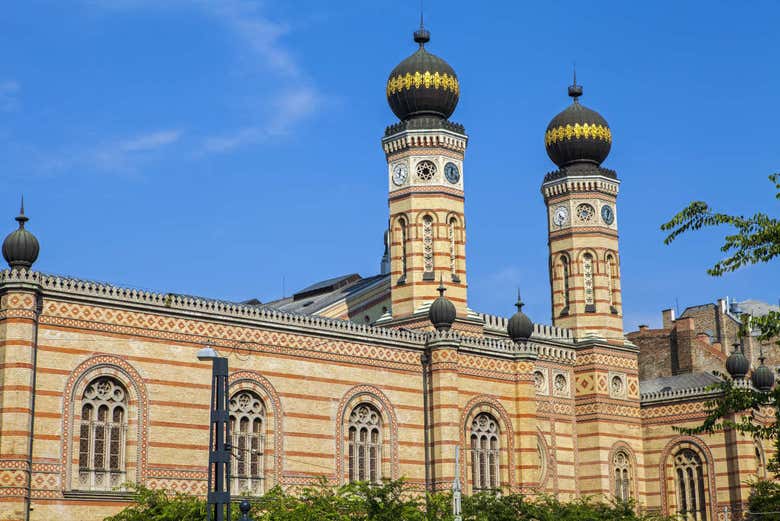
<point x="219" y="438"/>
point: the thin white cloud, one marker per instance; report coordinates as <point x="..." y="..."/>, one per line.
<point x="287" y="110"/>
<point x="9" y="96"/>
<point x="297" y="97"/>
<point x="124" y="153"/>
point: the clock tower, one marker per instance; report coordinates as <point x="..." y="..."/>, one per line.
<point x="582" y="224"/>
<point x="424" y="152"/>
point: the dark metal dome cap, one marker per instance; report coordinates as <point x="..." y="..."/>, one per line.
<point x="423" y="84"/>
<point x="763" y="378"/>
<point x="442" y="312"/>
<point x="578" y="134"/>
<point x="737" y="363"/>
<point x="21" y="248"/>
<point x="519" y="326"/>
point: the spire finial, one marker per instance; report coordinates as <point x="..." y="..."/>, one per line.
<point x="21" y="218"/>
<point x="422" y="35"/>
<point x="575" y="91"/>
<point x="441" y="289"/>
<point x="519" y="304"/>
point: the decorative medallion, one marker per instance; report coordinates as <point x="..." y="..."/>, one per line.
<point x="585" y="212"/>
<point x="400" y="174"/>
<point x="560" y="384"/>
<point x="426" y="170"/>
<point x="607" y="214"/>
<point x="539" y="381"/>
<point x="452" y="173"/>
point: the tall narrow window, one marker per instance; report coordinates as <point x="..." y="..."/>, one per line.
<point x="485" y="453"/>
<point x="247" y="422"/>
<point x="565" y="278"/>
<point x="102" y="435"/>
<point x="427" y="228"/>
<point x="611" y="269"/>
<point x="365" y="444"/>
<point x="621" y="469"/>
<point x="402" y="225"/>
<point x="587" y="282"/>
<point x="453" y="248"/>
<point x="689" y="479"/>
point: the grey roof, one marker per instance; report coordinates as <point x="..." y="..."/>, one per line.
<point x="320" y="295"/>
<point x="680" y="382"/>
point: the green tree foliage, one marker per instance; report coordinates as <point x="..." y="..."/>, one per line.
<point x="764" y="501"/>
<point x="756" y="240"/>
<point x="392" y="501"/>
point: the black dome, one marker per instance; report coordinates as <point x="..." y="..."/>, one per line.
<point x="21" y="248"/>
<point x="737" y="364"/>
<point x="442" y="311"/>
<point x="519" y="326"/>
<point x="763" y="378"/>
<point x="578" y="134"/>
<point x="423" y="84"/>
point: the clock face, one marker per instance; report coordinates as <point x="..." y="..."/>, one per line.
<point x="399" y="173"/>
<point x="452" y="173"/>
<point x="561" y="216"/>
<point x="607" y="214"/>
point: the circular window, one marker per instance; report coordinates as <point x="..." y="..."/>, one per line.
<point x="585" y="212"/>
<point x="560" y="383"/>
<point x="539" y="381"/>
<point x="426" y="170"/>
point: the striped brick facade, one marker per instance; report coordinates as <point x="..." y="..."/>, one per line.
<point x="561" y="415"/>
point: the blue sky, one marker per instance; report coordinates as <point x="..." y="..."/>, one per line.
<point x="220" y="147"/>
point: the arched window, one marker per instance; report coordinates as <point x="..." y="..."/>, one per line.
<point x="103" y="435"/>
<point x="611" y="269"/>
<point x="760" y="461"/>
<point x="402" y="225"/>
<point x="690" y="483"/>
<point x="565" y="279"/>
<point x="452" y="228"/>
<point x="587" y="282"/>
<point x="485" y="451"/>
<point x="247" y="429"/>
<point x="621" y="470"/>
<point x="365" y="444"/>
<point x="427" y="232"/>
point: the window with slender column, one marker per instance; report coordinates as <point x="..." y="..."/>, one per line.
<point x="587" y="282"/>
<point x="760" y="460"/>
<point x="611" y="270"/>
<point x="365" y="444"/>
<point x="452" y="229"/>
<point x="247" y="430"/>
<point x="565" y="282"/>
<point x="621" y="471"/>
<point x="404" y="232"/>
<point x="691" y="486"/>
<point x="485" y="452"/>
<point x="103" y="435"/>
<point x="427" y="233"/>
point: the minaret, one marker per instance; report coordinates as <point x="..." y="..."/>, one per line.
<point x="424" y="154"/>
<point x="582" y="224"/>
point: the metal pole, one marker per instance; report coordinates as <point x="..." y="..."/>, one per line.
<point x="219" y="450"/>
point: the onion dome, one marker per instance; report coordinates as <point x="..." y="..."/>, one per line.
<point x="578" y="134"/>
<point x="423" y="84"/>
<point x="442" y="311"/>
<point x="737" y="364"/>
<point x="519" y="326"/>
<point x="20" y="248"/>
<point x="762" y="378"/>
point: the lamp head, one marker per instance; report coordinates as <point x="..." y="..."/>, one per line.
<point x="207" y="353"/>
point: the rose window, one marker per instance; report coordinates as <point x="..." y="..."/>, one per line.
<point x="585" y="212"/>
<point x="426" y="170"/>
